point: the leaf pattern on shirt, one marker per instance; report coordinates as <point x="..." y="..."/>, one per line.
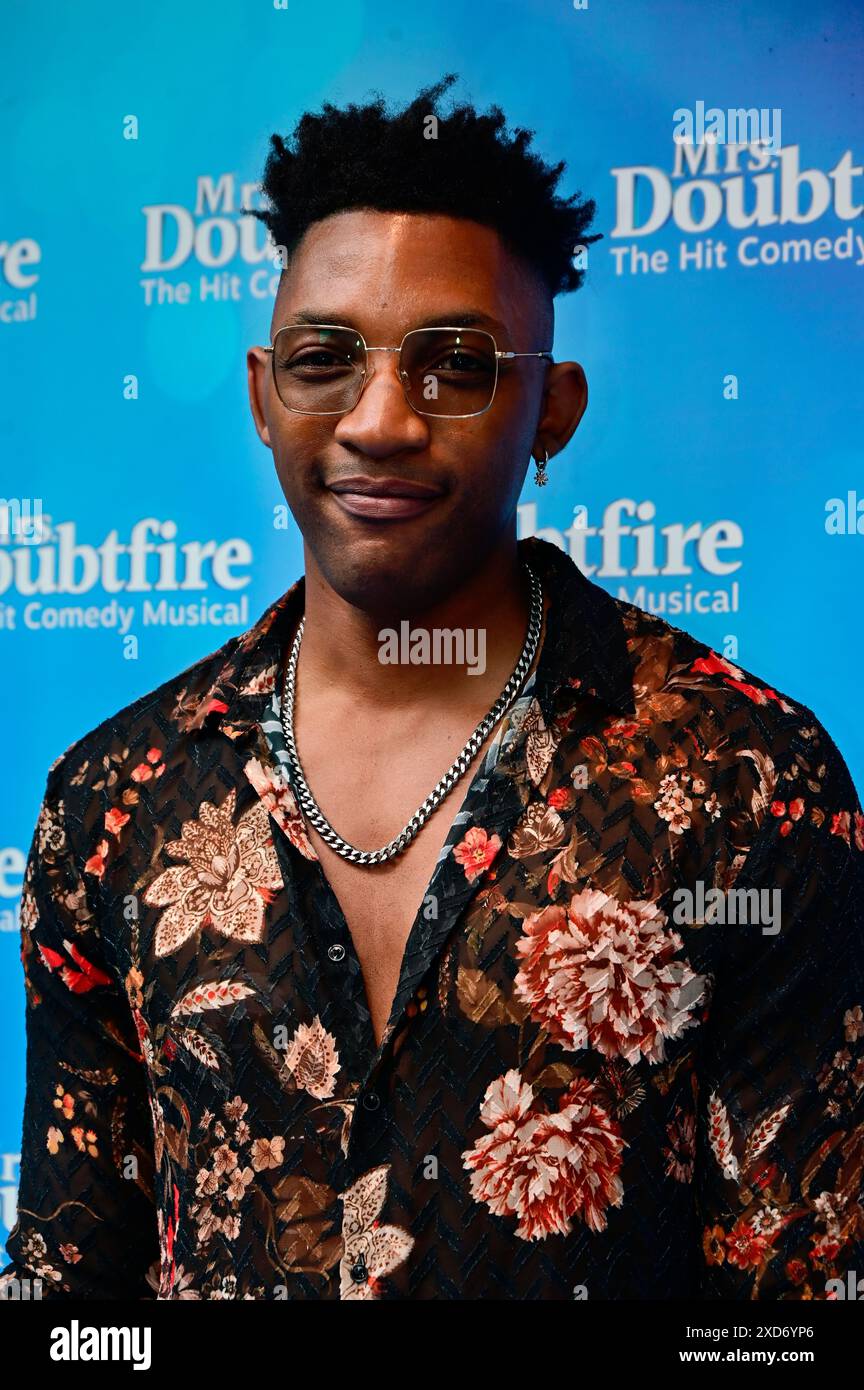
<point x="371" y="1250"/>
<point x="312" y="1059"/>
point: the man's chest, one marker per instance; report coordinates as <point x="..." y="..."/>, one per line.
<point x="381" y="902"/>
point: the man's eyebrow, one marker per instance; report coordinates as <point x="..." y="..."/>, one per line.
<point x="466" y="318"/>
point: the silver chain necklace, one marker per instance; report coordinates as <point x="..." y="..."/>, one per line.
<point x="453" y="774"/>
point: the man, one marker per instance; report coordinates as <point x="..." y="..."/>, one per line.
<point x="579" y="1017"/>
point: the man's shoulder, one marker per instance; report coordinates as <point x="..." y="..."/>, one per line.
<point x="164" y="715"/>
<point x="691" y="699"/>
<point x="666" y="658"/>
<point x="672" y="688"/>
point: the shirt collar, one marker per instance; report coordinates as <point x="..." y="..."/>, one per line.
<point x="586" y="640"/>
<point x="585" y="649"/>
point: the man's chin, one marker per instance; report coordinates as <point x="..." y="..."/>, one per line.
<point x="392" y="573"/>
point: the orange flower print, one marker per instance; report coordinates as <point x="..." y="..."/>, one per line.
<point x="840" y="825"/>
<point x="476" y="852"/>
<point x="152" y="767"/>
<point x="603" y="974"/>
<point x="747" y="1246"/>
<point x="546" y="1167"/>
<point x="115" y="819"/>
<point x="268" y="1153"/>
<point x="229" y="875"/>
<point x="63" y="1101"/>
<point x="96" y="863"/>
<point x="85" y="1140"/>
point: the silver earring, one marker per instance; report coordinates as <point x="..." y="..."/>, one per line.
<point x="541" y="477"/>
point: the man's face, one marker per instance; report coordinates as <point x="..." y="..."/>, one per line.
<point x="383" y="274"/>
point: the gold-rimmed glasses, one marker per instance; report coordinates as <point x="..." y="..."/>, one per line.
<point x="322" y="368"/>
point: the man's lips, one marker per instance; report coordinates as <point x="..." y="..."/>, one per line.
<point x="384" y="499"/>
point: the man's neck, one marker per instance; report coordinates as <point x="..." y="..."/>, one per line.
<point x="342" y="646"/>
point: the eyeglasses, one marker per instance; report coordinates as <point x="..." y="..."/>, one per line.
<point x="322" y="368"/>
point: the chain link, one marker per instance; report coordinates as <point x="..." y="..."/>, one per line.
<point x="454" y="773"/>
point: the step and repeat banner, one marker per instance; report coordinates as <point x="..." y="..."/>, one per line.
<point x="717" y="476"/>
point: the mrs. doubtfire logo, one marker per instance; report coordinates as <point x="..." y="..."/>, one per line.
<point x="53" y="579"/>
<point x="718" y="186"/>
<point x="202" y="240"/>
<point x="627" y="544"/>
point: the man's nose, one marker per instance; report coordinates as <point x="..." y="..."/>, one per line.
<point x="382" y="421"/>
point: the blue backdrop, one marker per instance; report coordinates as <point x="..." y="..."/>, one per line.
<point x="720" y="329"/>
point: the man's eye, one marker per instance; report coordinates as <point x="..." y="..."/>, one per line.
<point x="313" y="361"/>
<point x="459" y="362"/>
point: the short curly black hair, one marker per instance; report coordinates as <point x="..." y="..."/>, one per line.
<point x="367" y="157"/>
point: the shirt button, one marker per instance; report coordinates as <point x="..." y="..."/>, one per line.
<point x="336" y="953"/>
<point x="371" y="1101"/>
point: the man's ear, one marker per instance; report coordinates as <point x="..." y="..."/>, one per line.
<point x="257" y="374"/>
<point x="565" y="397"/>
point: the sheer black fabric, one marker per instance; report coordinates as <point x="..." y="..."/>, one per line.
<point x="626" y="1054"/>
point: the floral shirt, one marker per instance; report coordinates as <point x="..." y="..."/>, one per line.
<point x="625" y="1058"/>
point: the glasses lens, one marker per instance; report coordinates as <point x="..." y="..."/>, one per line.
<point x="449" y="371"/>
<point x="318" y="370"/>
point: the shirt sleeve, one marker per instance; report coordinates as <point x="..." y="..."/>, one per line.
<point x="781" y="1129"/>
<point x="86" y="1223"/>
